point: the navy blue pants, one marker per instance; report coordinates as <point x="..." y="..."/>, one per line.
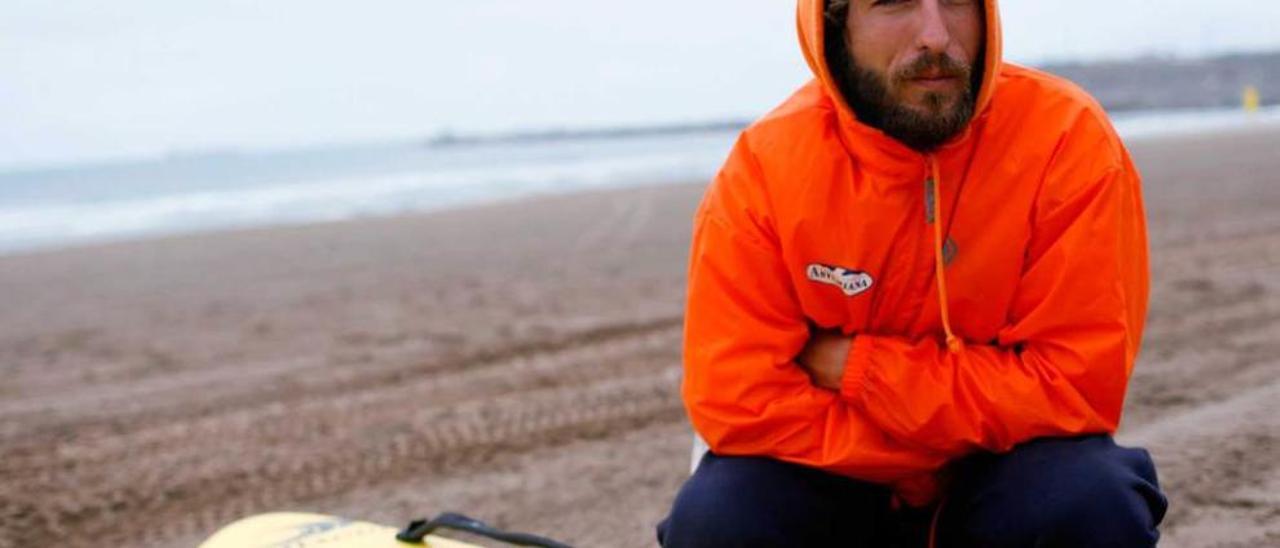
<point x="1076" y="492"/>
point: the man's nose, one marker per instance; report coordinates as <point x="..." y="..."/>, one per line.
<point x="933" y="34"/>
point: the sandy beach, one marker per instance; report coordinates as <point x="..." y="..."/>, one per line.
<point x="519" y="362"/>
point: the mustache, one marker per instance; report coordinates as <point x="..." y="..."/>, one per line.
<point x="934" y="64"/>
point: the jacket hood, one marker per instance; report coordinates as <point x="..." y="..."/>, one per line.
<point x="811" y="28"/>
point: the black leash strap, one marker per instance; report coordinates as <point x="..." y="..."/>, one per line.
<point x="415" y="532"/>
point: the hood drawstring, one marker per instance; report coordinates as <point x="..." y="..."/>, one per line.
<point x="954" y="344"/>
<point x="933" y="524"/>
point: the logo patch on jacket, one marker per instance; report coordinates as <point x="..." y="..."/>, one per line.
<point x="852" y="282"/>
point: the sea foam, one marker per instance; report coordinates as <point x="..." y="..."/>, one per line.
<point x="165" y="197"/>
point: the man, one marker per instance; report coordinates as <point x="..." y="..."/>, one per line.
<point x="916" y="294"/>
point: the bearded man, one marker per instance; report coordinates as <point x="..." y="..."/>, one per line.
<point x="916" y="295"/>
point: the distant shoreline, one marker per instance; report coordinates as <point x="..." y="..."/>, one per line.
<point x="450" y="139"/>
<point x="1122" y="87"/>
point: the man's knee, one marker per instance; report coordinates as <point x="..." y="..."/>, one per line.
<point x="721" y="505"/>
<point x="750" y="501"/>
<point x="1058" y="492"/>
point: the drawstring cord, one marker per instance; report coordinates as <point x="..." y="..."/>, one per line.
<point x="954" y="344"/>
<point x="933" y="524"/>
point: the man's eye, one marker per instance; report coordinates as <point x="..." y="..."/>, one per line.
<point x="887" y="2"/>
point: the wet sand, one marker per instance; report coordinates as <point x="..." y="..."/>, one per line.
<point x="520" y="362"/>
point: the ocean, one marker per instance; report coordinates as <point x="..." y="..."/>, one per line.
<point x="65" y="206"/>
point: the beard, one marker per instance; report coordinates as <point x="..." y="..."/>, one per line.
<point x="879" y="100"/>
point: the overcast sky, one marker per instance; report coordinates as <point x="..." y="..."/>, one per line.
<point x="86" y="79"/>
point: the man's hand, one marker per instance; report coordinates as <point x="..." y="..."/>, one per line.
<point x="823" y="358"/>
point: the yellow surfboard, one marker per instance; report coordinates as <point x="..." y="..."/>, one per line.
<point x="298" y="530"/>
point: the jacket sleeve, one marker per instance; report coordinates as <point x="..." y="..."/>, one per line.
<point x="1061" y="364"/>
<point x="743" y="327"/>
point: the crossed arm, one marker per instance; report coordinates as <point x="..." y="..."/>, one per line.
<point x="823" y="358"/>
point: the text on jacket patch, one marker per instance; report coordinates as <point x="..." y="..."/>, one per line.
<point x="852" y="282"/>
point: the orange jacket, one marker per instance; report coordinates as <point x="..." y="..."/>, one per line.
<point x="818" y="219"/>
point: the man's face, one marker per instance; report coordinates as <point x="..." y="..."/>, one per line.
<point x="913" y="65"/>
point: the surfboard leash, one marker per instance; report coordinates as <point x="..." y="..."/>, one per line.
<point x="418" y="529"/>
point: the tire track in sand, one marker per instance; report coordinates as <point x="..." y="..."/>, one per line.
<point x="563" y="404"/>
<point x="28" y="430"/>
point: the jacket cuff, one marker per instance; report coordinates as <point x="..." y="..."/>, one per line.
<point x="853" y="381"/>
